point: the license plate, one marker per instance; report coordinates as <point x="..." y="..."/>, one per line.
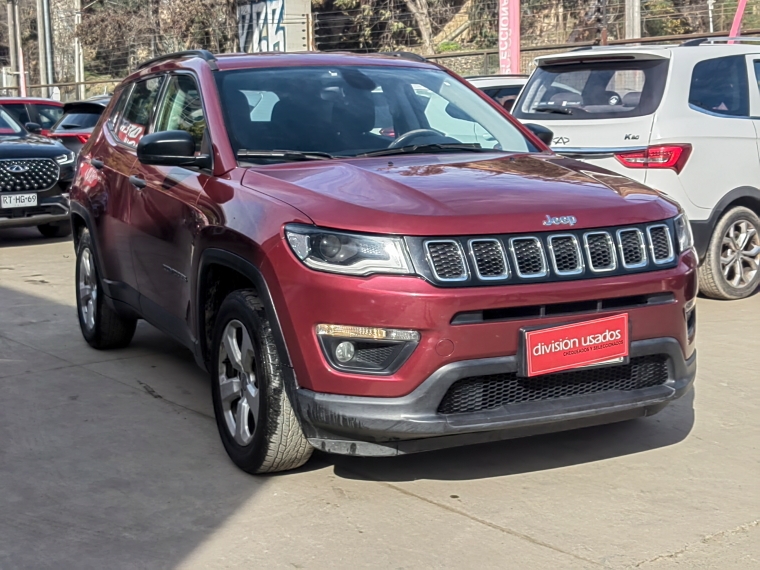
<point x="588" y="343"/>
<point x="18" y="200"/>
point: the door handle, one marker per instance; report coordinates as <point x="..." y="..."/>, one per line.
<point x="137" y="182"/>
<point x="97" y="163"/>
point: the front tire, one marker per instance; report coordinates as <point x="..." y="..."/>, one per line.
<point x="730" y="269"/>
<point x="55" y="229"/>
<point x="257" y="424"/>
<point x="101" y="326"/>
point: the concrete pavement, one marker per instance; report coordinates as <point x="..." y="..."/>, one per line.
<point x="112" y="460"/>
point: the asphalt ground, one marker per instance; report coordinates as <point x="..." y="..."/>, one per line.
<point x="112" y="460"/>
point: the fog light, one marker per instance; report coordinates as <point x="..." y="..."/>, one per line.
<point x="345" y="351"/>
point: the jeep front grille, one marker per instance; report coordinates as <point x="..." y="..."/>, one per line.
<point x="481" y="393"/>
<point x="28" y="174"/>
<point x="573" y="254"/>
<point x="446" y="259"/>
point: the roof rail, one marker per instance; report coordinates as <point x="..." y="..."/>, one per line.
<point x="404" y="55"/>
<point x="201" y="53"/>
<point x="721" y="40"/>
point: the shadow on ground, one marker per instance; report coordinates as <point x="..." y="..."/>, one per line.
<point x="14" y="237"/>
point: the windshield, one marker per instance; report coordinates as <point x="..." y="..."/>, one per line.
<point x="593" y="90"/>
<point x="8" y="125"/>
<point x="349" y="111"/>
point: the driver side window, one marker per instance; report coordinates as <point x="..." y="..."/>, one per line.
<point x="181" y="109"/>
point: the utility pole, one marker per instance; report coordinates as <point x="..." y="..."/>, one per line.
<point x="78" y="55"/>
<point x="12" y="42"/>
<point x="20" y="50"/>
<point x="48" y="28"/>
<point x="633" y="19"/>
<point x="42" y="49"/>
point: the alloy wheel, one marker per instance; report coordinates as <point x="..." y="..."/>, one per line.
<point x="87" y="289"/>
<point x="740" y="254"/>
<point x="238" y="386"/>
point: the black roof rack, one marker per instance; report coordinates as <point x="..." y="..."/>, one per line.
<point x="694" y="42"/>
<point x="204" y="54"/>
<point x="404" y="55"/>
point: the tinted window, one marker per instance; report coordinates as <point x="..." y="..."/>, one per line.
<point x="18" y="111"/>
<point x="594" y="90"/>
<point x="77" y="121"/>
<point x="47" y="115"/>
<point x="350" y="110"/>
<point x="720" y="86"/>
<point x="181" y="109"/>
<point x="504" y="96"/>
<point x="137" y="114"/>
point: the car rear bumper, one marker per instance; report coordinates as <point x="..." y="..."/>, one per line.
<point x="391" y="426"/>
<point x="47" y="211"/>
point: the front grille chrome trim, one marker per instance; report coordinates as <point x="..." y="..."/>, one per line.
<point x="466" y="272"/>
<point x="671" y="251"/>
<point x="581" y="265"/>
<point x="610" y="245"/>
<point x="503" y="276"/>
<point x="544" y="266"/>
<point x="642" y="245"/>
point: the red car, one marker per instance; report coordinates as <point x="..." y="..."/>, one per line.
<point x="34" y="110"/>
<point x="369" y="294"/>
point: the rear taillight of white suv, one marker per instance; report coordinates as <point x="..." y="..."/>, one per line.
<point x="671" y="156"/>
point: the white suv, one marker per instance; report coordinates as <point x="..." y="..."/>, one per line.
<point x="682" y="119"/>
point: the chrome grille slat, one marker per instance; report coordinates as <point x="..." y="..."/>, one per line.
<point x="565" y="253"/>
<point x="40" y="174"/>
<point x="633" y="250"/>
<point x="446" y="259"/>
<point x="600" y="251"/>
<point x="660" y="244"/>
<point x="529" y="257"/>
<point x="489" y="259"/>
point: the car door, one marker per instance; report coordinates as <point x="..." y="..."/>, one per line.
<point x="164" y="217"/>
<point x="753" y="65"/>
<point x="109" y="198"/>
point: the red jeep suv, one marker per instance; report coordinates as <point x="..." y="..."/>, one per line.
<point x="370" y="257"/>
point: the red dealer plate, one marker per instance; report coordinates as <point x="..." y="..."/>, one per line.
<point x="577" y="345"/>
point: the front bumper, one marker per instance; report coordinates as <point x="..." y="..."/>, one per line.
<point x="51" y="207"/>
<point x="392" y="426"/>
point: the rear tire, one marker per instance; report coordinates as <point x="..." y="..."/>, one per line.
<point x="257" y="424"/>
<point x="102" y="327"/>
<point x="730" y="269"/>
<point x="55" y="229"/>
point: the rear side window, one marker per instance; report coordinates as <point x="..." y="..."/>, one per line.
<point x="18" y="111"/>
<point x="594" y="90"/>
<point x="118" y="109"/>
<point x="720" y="86"/>
<point x="77" y="121"/>
<point x="47" y="115"/>
<point x="139" y="110"/>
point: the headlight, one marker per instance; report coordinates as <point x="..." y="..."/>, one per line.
<point x="683" y="233"/>
<point x="350" y="254"/>
<point x="67" y="158"/>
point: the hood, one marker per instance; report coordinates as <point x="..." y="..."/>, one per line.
<point x="458" y="195"/>
<point x="30" y="146"/>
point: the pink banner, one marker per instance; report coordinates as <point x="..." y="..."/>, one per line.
<point x="736" y="27"/>
<point x="509" y="36"/>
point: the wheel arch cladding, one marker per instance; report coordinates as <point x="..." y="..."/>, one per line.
<point x="219" y="274"/>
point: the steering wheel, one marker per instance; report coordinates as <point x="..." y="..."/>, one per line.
<point x="406" y="138"/>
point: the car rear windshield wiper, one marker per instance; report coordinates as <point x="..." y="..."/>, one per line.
<point x="288" y="155"/>
<point x="423" y="148"/>
<point x="552" y="109"/>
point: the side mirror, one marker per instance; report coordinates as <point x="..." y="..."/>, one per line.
<point x="544" y="135"/>
<point x="34" y="128"/>
<point x="170" y="148"/>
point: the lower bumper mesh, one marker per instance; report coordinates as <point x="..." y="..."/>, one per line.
<point x="494" y="391"/>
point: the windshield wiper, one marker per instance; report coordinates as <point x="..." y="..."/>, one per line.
<point x="552" y="109"/>
<point x="288" y="155"/>
<point x="422" y="148"/>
